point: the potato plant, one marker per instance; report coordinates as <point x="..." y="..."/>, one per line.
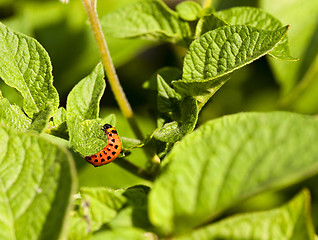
<point x="245" y="175"/>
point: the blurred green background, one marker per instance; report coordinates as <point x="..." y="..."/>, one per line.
<point x="265" y="85"/>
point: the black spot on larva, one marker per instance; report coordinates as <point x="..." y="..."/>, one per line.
<point x="88" y="158"/>
<point x="105" y="151"/>
<point x="103" y="160"/>
<point x="113" y="153"/>
<point x="109" y="157"/>
<point x="96" y="160"/>
<point x="114" y="131"/>
<point x="95" y="155"/>
<point x="100" y="155"/>
<point x="116" y="146"/>
<point x="111" y="144"/>
<point x="110" y="135"/>
<point x="113" y="140"/>
<point x="108" y="149"/>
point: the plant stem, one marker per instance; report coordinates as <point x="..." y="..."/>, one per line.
<point x="90" y="6"/>
<point x="133" y="169"/>
<point x="207" y="3"/>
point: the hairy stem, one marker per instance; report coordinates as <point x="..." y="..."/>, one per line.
<point x="90" y="6"/>
<point x="139" y="172"/>
<point x="207" y="3"/>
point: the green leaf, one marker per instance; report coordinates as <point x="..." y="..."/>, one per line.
<point x="302" y="74"/>
<point x="104" y="208"/>
<point x="150" y="19"/>
<point x="136" y="213"/>
<point x="129" y="143"/>
<point x="228" y="160"/>
<point x="167" y="73"/>
<point x="37" y="180"/>
<point x="82" y="108"/>
<point x="208" y="23"/>
<point x="189" y="10"/>
<point x="258" y="18"/>
<point x="60" y="127"/>
<point x="86" y="137"/>
<point x="212" y="57"/>
<point x="110" y="119"/>
<point x="95" y="207"/>
<point x="26" y="66"/>
<point x="291" y="221"/>
<point x="202" y="90"/>
<point x="59" y="117"/>
<point x="226" y="49"/>
<point x="174" y="131"/>
<point x="168" y="100"/>
<point x="83" y="100"/>
<point x="77" y="228"/>
<point x="41" y="119"/>
<point x="100" y="206"/>
<point x="12" y="115"/>
<point x="125" y="233"/>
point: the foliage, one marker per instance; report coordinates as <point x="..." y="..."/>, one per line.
<point x="211" y="170"/>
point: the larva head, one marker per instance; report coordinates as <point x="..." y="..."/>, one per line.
<point x="106" y="127"/>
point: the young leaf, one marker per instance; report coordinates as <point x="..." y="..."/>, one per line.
<point x="59" y="121"/>
<point x="291" y="221"/>
<point x="26" y="66"/>
<point x="167" y="73"/>
<point x="228" y="160"/>
<point x="82" y="107"/>
<point x="168" y="100"/>
<point x="202" y="90"/>
<point x="256" y="17"/>
<point x="150" y="19"/>
<point x="208" y="23"/>
<point x="212" y="57"/>
<point x="174" y="131"/>
<point x="110" y="119"/>
<point x="95" y="207"/>
<point x="129" y="143"/>
<point x="41" y="119"/>
<point x="12" y="115"/>
<point x="36" y="177"/>
<point x="189" y="10"/>
<point x="59" y="117"/>
<point x="124" y="233"/>
<point x="86" y="137"/>
<point x="83" y="100"/>
<point x="135" y="214"/>
<point x="100" y="205"/>
<point x="78" y="228"/>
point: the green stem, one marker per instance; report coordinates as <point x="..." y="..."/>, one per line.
<point x="207" y="3"/>
<point x="90" y="6"/>
<point x="133" y="169"/>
